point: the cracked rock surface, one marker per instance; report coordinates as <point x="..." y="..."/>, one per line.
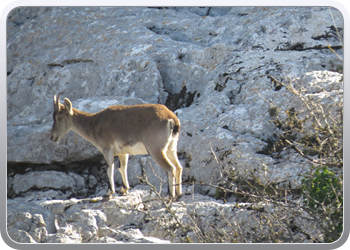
<point x="211" y="66"/>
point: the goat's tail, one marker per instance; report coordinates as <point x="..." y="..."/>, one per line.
<point x="175" y="126"/>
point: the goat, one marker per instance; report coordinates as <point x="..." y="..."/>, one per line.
<point x="123" y="130"/>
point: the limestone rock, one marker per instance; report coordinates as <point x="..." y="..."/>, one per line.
<point x="213" y="66"/>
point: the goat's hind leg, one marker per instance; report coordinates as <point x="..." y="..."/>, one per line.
<point x="123" y="159"/>
<point x="172" y="156"/>
<point x="162" y="160"/>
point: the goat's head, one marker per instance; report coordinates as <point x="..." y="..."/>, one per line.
<point x="62" y="118"/>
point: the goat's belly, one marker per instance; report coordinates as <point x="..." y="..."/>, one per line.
<point x="137" y="149"/>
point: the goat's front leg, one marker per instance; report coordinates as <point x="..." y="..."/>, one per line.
<point x="108" y="154"/>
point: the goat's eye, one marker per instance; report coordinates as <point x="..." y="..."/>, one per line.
<point x="59" y="119"/>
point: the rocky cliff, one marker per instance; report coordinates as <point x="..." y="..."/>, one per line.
<point x="214" y="67"/>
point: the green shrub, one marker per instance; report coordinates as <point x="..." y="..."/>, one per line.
<point x="323" y="192"/>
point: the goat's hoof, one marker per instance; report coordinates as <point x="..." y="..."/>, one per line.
<point x="178" y="197"/>
<point x="108" y="195"/>
<point x="123" y="192"/>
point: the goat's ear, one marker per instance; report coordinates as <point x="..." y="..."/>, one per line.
<point x="68" y="105"/>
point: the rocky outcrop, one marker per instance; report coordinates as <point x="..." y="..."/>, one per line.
<point x="212" y="66"/>
<point x="141" y="218"/>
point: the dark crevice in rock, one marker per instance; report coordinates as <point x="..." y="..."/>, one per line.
<point x="181" y="56"/>
<point x="79" y="166"/>
<point x="186" y="157"/>
<point x="69" y="61"/>
<point x="79" y="60"/>
<point x="257" y="47"/>
<point x="269" y="149"/>
<point x="189" y="134"/>
<point x="159" y="31"/>
<point x="223" y="79"/>
<point x="172" y="34"/>
<point x="208" y="11"/>
<point x="276" y="84"/>
<point x="227" y="128"/>
<point x="219" y="87"/>
<point x="300" y="47"/>
<point x="332" y="33"/>
<point x="180" y="100"/>
<point x="159" y="8"/>
<point x="55" y="65"/>
<point x="18" y="16"/>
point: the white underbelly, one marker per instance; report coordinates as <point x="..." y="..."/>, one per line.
<point x="137" y="149"/>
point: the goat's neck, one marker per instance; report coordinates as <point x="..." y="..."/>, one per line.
<point x="83" y="123"/>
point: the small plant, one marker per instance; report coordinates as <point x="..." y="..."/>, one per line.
<point x="323" y="192"/>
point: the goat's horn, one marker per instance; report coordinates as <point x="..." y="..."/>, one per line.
<point x="56" y="102"/>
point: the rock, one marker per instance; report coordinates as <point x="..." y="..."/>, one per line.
<point x="79" y="181"/>
<point x="158" y="54"/>
<point x="135" y="235"/>
<point x="15" y="207"/>
<point x="28" y="222"/>
<point x="20" y="236"/>
<point x="40" y="180"/>
<point x="140" y="217"/>
<point x="219" y="69"/>
<point x="92" y="181"/>
<point x="88" y="223"/>
<point x="64" y="235"/>
<point x="106" y="240"/>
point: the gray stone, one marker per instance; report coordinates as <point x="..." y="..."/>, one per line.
<point x="212" y="66"/>
<point x="28" y="222"/>
<point x="146" y="55"/>
<point x="123" y="219"/>
<point x="20" y="236"/>
<point x="40" y="180"/>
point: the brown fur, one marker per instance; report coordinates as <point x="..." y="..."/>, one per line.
<point x="127" y="121"/>
<point x="121" y="130"/>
